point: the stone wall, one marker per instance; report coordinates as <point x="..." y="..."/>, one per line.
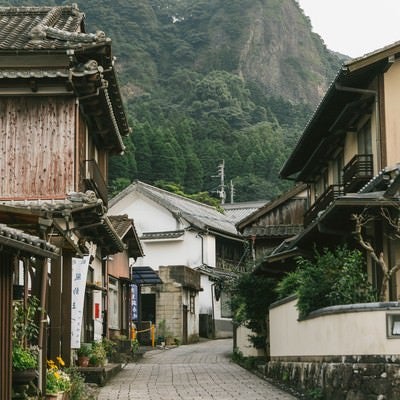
<point x="353" y="378"/>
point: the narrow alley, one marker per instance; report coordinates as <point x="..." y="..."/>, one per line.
<point x="198" y="371"/>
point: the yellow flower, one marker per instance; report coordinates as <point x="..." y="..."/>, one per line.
<point x="60" y="361"/>
<point x="57" y="375"/>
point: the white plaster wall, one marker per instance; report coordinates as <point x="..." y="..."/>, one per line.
<point x="205" y="296"/>
<point x="244" y="345"/>
<point x="185" y="250"/>
<point x="392" y="113"/>
<point x="350" y="333"/>
<point x="209" y="250"/>
<point x="192" y="318"/>
<point x="149" y="216"/>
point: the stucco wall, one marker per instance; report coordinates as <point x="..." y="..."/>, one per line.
<point x="392" y="113"/>
<point x="362" y="331"/>
<point x="243" y="343"/>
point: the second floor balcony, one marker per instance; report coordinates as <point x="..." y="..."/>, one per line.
<point x="357" y="172"/>
<point x="322" y="202"/>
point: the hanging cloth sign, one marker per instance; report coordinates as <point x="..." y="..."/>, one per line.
<point x="80" y="268"/>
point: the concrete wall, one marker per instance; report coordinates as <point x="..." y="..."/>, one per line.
<point x="341" y="352"/>
<point x="244" y="345"/>
<point x="334" y="331"/>
<point x="208" y="304"/>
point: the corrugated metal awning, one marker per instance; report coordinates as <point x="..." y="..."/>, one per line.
<point x="145" y="276"/>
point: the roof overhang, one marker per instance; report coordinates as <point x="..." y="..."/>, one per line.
<point x="145" y="276"/>
<point x="323" y="130"/>
<point x="84" y="221"/>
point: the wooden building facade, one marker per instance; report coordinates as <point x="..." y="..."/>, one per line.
<point x="61" y="117"/>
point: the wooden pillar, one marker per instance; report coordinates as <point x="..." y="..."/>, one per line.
<point x="6" y="273"/>
<point x="66" y="308"/>
<point x="54" y="309"/>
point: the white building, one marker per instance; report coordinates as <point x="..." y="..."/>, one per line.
<point x="177" y="231"/>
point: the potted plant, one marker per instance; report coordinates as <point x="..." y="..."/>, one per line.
<point x="109" y="347"/>
<point x="84" y="353"/>
<point x="98" y="355"/>
<point x="24" y="334"/>
<point x="58" y="382"/>
<point x="24" y="364"/>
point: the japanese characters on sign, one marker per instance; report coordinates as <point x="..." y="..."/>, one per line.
<point x="134" y="304"/>
<point x="79" y="273"/>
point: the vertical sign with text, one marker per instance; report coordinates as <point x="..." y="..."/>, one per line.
<point x="79" y="273"/>
<point x="134" y="304"/>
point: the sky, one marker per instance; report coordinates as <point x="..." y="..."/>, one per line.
<point x="354" y="27"/>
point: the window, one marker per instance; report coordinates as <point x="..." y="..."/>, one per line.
<point x="393" y="325"/>
<point x="337" y="165"/>
<point x="364" y="140"/>
<point x="113" y="304"/>
<point x="322" y="184"/>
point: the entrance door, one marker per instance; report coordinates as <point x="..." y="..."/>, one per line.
<point x="185" y="325"/>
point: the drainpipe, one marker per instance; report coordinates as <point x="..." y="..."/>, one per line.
<point x="213" y="312"/>
<point x="200" y="235"/>
<point x="377" y="116"/>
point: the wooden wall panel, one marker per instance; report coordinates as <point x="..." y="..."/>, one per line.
<point x="290" y="213"/>
<point x="37" y="136"/>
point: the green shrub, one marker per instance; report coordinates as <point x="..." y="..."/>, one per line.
<point x="331" y="278"/>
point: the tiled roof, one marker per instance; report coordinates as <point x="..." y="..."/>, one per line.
<point x="238" y="211"/>
<point x="83" y="60"/>
<point x="122" y="224"/>
<point x="162" y="235"/>
<point x="85" y="209"/>
<point x="198" y="214"/>
<point x="386" y="180"/>
<point x="273" y="230"/>
<point x="216" y="274"/>
<point x="27" y="28"/>
<point x="19" y="240"/>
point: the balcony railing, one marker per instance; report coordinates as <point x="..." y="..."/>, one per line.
<point x="357" y="172"/>
<point x="94" y="180"/>
<point x="322" y="202"/>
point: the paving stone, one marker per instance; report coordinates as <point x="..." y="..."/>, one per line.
<point x="202" y="371"/>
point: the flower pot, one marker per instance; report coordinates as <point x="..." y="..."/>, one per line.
<point x="24" y="377"/>
<point x="83" y="361"/>
<point x="55" y="396"/>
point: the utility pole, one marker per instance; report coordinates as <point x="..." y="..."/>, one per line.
<point x="221" y="175"/>
<point x="232" y="191"/>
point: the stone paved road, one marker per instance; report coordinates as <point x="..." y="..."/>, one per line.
<point x="200" y="371"/>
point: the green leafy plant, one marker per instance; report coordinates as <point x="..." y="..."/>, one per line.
<point x="251" y="297"/>
<point x="57" y="380"/>
<point x="85" y="350"/>
<point x="315" y="394"/>
<point x="24" y="334"/>
<point x="109" y="347"/>
<point x="25" y="328"/>
<point x="24" y="358"/>
<point x="98" y="354"/>
<point x="135" y="346"/>
<point x="330" y="278"/>
<point x="79" y="390"/>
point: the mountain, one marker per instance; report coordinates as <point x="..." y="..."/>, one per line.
<point x="211" y="80"/>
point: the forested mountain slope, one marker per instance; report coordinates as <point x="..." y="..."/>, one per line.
<point x="211" y="80"/>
